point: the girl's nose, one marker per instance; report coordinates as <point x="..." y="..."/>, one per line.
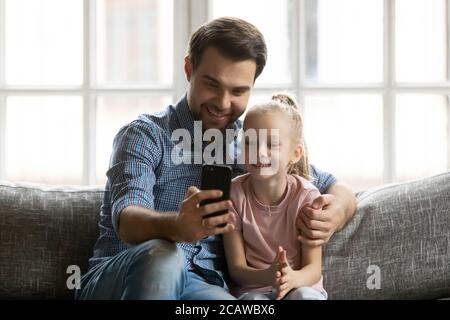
<point x="262" y="151"/>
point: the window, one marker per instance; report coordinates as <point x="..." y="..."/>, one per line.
<point x="72" y="73"/>
<point x="372" y="77"/>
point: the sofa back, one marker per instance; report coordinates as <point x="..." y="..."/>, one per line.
<point x="400" y="234"/>
<point x="397" y="245"/>
<point x="43" y="231"/>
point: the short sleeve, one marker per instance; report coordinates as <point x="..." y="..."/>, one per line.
<point x="131" y="174"/>
<point x="237" y="219"/>
<point x="235" y="207"/>
<point x="312" y="194"/>
<point x="321" y="179"/>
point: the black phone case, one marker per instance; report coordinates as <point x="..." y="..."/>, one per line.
<point x="216" y="177"/>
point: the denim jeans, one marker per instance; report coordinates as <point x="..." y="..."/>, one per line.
<point x="153" y="270"/>
<point x="303" y="293"/>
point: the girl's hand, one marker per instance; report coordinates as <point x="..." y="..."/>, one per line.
<point x="274" y="268"/>
<point x="284" y="276"/>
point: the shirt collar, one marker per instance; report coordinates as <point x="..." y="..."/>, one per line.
<point x="184" y="115"/>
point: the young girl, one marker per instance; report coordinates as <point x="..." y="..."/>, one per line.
<point x="265" y="259"/>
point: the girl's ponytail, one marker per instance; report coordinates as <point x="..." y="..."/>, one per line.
<point x="301" y="167"/>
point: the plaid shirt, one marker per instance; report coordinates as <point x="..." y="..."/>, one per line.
<point x="142" y="173"/>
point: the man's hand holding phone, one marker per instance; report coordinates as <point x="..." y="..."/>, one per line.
<point x="192" y="226"/>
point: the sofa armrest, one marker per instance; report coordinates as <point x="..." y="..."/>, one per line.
<point x="402" y="231"/>
<point x="43" y="230"/>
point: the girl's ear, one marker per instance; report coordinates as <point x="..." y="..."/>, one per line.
<point x="298" y="154"/>
<point x="187" y="68"/>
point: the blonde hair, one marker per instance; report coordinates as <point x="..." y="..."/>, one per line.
<point x="287" y="104"/>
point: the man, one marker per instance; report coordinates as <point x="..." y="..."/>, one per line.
<point x="154" y="243"/>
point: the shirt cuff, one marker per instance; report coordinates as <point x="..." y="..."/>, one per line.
<point x="118" y="207"/>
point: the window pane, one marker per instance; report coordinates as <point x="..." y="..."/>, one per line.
<point x="113" y="112"/>
<point x="344" y="40"/>
<point x="134" y="42"/>
<point x="344" y="137"/>
<point x="421" y="40"/>
<point x="44" y="42"/>
<point x="256" y="97"/>
<point x="422" y="135"/>
<point x="273" y="22"/>
<point x="44" y="139"/>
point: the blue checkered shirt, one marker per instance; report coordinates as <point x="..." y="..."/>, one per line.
<point x="141" y="172"/>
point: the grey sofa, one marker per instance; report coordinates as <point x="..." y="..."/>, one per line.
<point x="396" y="247"/>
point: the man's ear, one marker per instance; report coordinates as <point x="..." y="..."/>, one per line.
<point x="187" y="68"/>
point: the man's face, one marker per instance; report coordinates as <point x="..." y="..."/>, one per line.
<point x="219" y="88"/>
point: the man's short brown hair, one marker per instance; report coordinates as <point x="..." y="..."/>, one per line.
<point x="235" y="39"/>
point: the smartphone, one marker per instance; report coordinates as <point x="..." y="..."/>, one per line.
<point x="216" y="177"/>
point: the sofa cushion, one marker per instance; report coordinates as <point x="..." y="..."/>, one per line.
<point x="402" y="231"/>
<point x="43" y="231"/>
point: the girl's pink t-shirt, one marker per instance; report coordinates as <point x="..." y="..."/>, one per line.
<point x="264" y="227"/>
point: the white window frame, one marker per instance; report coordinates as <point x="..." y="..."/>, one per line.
<point x="188" y="15"/>
<point x="2" y="96"/>
<point x="88" y="90"/>
<point x="388" y="88"/>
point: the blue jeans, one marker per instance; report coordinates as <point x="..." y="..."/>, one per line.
<point x="153" y="270"/>
<point x="303" y="293"/>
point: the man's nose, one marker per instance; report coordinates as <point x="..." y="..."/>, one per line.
<point x="224" y="101"/>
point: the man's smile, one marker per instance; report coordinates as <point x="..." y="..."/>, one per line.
<point x="216" y="115"/>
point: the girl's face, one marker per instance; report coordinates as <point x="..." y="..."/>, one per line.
<point x="274" y="148"/>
